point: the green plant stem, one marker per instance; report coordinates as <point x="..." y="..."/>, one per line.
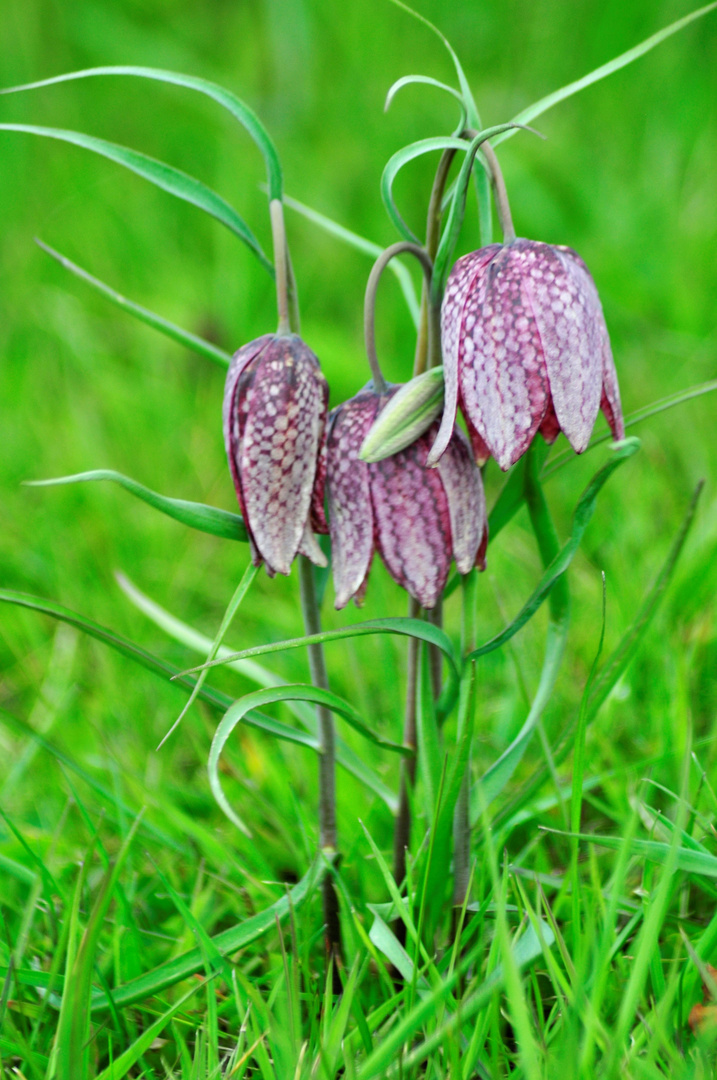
<point x="429" y="324"/>
<point x="369" y="317"/>
<point x="461" y="816"/>
<point x="402" y="831"/>
<point x="281" y="265"/>
<point x="328" y="837"/>
<point x="500" y="194"/>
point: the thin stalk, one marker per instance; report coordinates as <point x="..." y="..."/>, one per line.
<point x="369" y="311"/>
<point x="500" y="194"/>
<point x="461" y="814"/>
<point x="328" y="837"/>
<point x="427" y="354"/>
<point x="402" y="832"/>
<point x="281" y="261"/>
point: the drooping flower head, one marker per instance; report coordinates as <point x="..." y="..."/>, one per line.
<point x="417" y="518"/>
<point x="275" y="402"/>
<point x="525" y="349"/>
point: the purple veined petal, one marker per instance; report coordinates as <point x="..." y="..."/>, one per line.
<point x="481" y="452"/>
<point x="280" y="446"/>
<point x="502" y="375"/>
<point x="463" y="486"/>
<point x="570" y="322"/>
<point x="309" y="547"/>
<point x="239" y="381"/>
<point x="610" y="400"/>
<point x="550" y="428"/>
<point x="413" y="527"/>
<point x="317" y="514"/>
<point x="460" y="281"/>
<point x="347" y="485"/>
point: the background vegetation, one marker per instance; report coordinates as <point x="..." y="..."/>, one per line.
<point x="627" y="176"/>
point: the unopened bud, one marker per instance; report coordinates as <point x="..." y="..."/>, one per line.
<point x="409" y="413"/>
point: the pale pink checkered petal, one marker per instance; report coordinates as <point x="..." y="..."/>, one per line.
<point x="461" y="281"/>
<point x="412" y="521"/>
<point x="610" y="400"/>
<point x="502" y="377"/>
<point x="570" y="322"/>
<point x="347" y="486"/>
<point x="466" y="500"/>
<point x="285" y="411"/>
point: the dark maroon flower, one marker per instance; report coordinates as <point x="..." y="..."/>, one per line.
<point x="275" y="402"/>
<point x="525" y="349"/>
<point x="416" y="517"/>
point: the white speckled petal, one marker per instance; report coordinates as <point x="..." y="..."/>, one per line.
<point x="461" y="281"/>
<point x="309" y="547"/>
<point x="502" y="376"/>
<point x="571" y="324"/>
<point x="413" y="527"/>
<point x="285" y="412"/>
<point x="610" y="400"/>
<point x="466" y="500"/>
<point x="347" y="486"/>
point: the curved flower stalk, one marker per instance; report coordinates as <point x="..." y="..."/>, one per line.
<point x="275" y="403"/>
<point x="417" y="518"/>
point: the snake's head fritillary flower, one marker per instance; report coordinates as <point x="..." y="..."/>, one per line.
<point x="525" y="349"/>
<point x="275" y="403"/>
<point x="417" y="518"/>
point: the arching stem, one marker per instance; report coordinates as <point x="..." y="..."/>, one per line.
<point x="430" y="314"/>
<point x="369" y="310"/>
<point x="281" y="264"/>
<point x="501" y="195"/>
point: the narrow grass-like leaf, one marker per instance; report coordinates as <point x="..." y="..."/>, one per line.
<point x="209" y="519"/>
<point x="239" y="110"/>
<point x="424" y="631"/>
<point x="547" y="102"/>
<point x="647" y="411"/>
<point x="366" y="246"/>
<point x="426" y="80"/>
<point x="227" y="942"/>
<point x="187" y="635"/>
<point x="238" y="711"/>
<point x="169" y="329"/>
<point x="129" y="1057"/>
<point x="409" y="153"/>
<point x="153" y="663"/>
<point x="240" y="592"/>
<point x="688" y="860"/>
<point x="581" y="518"/>
<point x="164" y="176"/>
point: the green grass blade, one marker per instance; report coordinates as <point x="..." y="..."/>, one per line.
<point x="169" y="329"/>
<point x="129" y="1057"/>
<point x="187" y="635"/>
<point x="164" y="176"/>
<point x="250" y="702"/>
<point x="583" y="513"/>
<point x="545" y="103"/>
<point x="689" y="860"/>
<point x="141" y="656"/>
<point x="239" y="593"/>
<point x="647" y="411"/>
<point x="227" y="942"/>
<point x="366" y="246"/>
<point x="424" y="631"/>
<point x="239" y="110"/>
<point x="209" y="519"/>
<point x="426" y="80"/>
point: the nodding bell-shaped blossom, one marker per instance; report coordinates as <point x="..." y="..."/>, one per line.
<point x="525" y="349"/>
<point x="417" y="518"/>
<point x="275" y="403"/>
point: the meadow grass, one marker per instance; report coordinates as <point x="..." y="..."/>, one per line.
<point x="578" y="957"/>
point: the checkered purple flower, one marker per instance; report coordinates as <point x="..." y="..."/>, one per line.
<point x="525" y="349"/>
<point x="275" y="403"/>
<point x="417" y="518"/>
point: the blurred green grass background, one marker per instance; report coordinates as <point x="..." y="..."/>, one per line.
<point x="627" y="176"/>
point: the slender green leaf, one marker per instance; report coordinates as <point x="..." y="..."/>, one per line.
<point x="583" y="513"/>
<point x="227" y="942"/>
<point x="169" y="329"/>
<point x="306" y="716"/>
<point x="129" y="1057"/>
<point x="547" y="102"/>
<point x="164" y="176"/>
<point x="366" y="246"/>
<point x="135" y="652"/>
<point x="688" y="859"/>
<point x="239" y="110"/>
<point x="424" y="631"/>
<point x="425" y="80"/>
<point x="238" y="711"/>
<point x="209" y="519"/>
